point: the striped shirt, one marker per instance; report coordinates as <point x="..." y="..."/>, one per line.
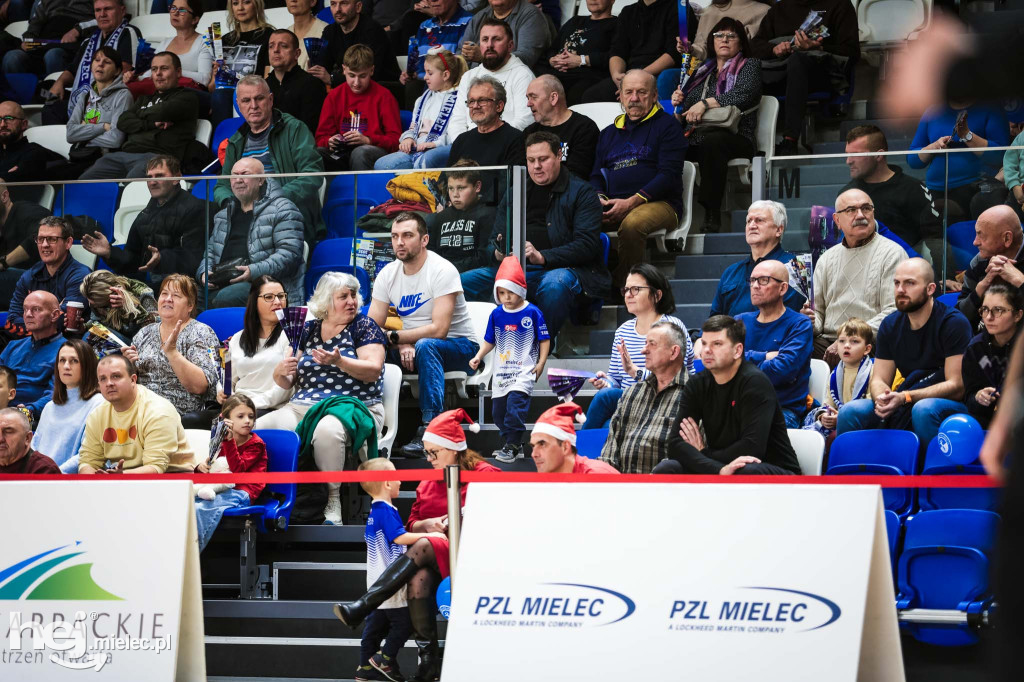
<point x="642" y="425"/>
<point x="634" y="348"/>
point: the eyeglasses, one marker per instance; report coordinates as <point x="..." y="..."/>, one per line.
<point x="48" y="240"/>
<point x="8" y="119"/>
<point x="431" y="455"/>
<point x="725" y="35"/>
<point x="269" y="298"/>
<point x="178" y="10"/>
<point x="996" y="311"/>
<point x="852" y="210"/>
<point x="632" y="291"/>
<point x="480" y="102"/>
<point x="763" y="281"/>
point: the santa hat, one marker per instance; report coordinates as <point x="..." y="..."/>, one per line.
<point x="510" y="276"/>
<point x="558" y="421"/>
<point x="446" y="429"/>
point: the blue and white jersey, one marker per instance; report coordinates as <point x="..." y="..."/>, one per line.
<point x="382" y="527"/>
<point x="516" y="335"/>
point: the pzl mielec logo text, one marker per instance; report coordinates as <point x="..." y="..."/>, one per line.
<point x="553" y="605"/>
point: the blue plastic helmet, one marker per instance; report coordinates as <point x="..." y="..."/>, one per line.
<point x="444" y="597"/>
<point x="960" y="438"/>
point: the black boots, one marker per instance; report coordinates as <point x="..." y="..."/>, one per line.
<point x="390" y="581"/>
<point x="414" y="448"/>
<point x="423" y="613"/>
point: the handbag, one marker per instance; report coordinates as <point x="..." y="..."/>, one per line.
<point x="722" y="117"/>
<point x="221" y="274"/>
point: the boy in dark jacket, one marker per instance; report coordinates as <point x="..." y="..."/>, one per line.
<point x="161" y="123"/>
<point x="461" y="231"/>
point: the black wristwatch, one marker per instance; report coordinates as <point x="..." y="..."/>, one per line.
<point x="639" y="375"/>
<point x="393" y="337"/>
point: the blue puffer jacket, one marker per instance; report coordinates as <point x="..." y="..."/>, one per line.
<point x="275" y="241"/>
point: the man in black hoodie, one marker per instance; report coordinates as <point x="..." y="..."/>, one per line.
<point x="902" y="203"/>
<point x="161" y="123"/>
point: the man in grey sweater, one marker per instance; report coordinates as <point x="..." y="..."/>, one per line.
<point x="532" y="32"/>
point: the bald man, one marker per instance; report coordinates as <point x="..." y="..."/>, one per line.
<point x="925" y="341"/>
<point x="20" y="160"/>
<point x="260" y="227"/>
<point x="638" y="171"/>
<point x="779" y="340"/>
<point x="854" y="277"/>
<point x="1000" y="245"/>
<point x="545" y="97"/>
<point x="32" y="358"/>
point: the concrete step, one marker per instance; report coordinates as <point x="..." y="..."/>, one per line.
<point x="798" y="218"/>
<point x="705" y="266"/>
<point x="801" y="195"/>
<point x="694" y="290"/>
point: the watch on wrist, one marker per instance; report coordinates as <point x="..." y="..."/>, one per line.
<point x="583" y="60"/>
<point x="639" y="376"/>
<point x="393" y="337"/>
<point x="969" y="136"/>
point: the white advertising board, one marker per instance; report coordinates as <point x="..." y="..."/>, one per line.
<point x="610" y="581"/>
<point x="100" y="581"/>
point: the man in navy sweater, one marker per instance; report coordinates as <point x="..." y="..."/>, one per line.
<point x="779" y="340"/>
<point x="638" y="171"/>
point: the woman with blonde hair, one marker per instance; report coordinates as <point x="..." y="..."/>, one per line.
<point x="122" y="305"/>
<point x="245" y="43"/>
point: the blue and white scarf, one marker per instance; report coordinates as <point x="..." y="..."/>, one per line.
<point x="85" y="67"/>
<point x="441" y="122"/>
<point x="860" y="384"/>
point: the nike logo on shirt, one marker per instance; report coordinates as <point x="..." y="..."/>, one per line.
<point x="410" y="304"/>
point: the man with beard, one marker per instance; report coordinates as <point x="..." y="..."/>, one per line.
<point x="20" y="160"/>
<point x="852" y="278"/>
<point x="532" y="32"/>
<point x="437" y="333"/>
<point x="350" y="28"/>
<point x="496" y="43"/>
<point x="925" y="341"/>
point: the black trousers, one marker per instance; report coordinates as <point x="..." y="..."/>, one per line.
<point x="712" y="154"/>
<point x="391" y="626"/>
<point x="575" y="81"/>
<point x="803" y="75"/>
<point x="604" y="90"/>
<point x="683" y="456"/>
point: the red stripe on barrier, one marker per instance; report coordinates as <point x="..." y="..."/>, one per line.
<point x="526" y="477"/>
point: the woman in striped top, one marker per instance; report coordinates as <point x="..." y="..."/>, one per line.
<point x="649" y="298"/>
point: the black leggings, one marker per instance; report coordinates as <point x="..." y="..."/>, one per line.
<point x="804" y="74"/>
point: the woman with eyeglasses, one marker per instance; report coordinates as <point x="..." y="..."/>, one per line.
<point x="259" y="348"/>
<point x="727" y="79"/>
<point x="341" y="354"/>
<point x="988" y="355"/>
<point x="188" y="43"/>
<point x="649" y="299"/>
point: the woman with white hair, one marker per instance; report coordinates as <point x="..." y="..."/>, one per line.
<point x="342" y="354"/>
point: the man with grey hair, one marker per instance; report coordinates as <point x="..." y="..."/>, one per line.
<point x="283" y="144"/>
<point x="854" y="277"/>
<point x="645" y="418"/>
<point x="493" y="142"/>
<point x="766" y="223"/>
<point x="546" y="99"/>
<point x="498" y="62"/>
<point x="16" y="453"/>
<point x="260" y="231"/>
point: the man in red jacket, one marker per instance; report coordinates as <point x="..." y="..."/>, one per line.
<point x="359" y="122"/>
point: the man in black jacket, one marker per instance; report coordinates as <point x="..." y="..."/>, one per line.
<point x="902" y="203"/>
<point x="295" y="91"/>
<point x="352" y="27"/>
<point x="563" y="246"/>
<point x="1000" y="259"/>
<point x="745" y="429"/>
<point x="167" y="237"/>
<point x="161" y="123"/>
<point x="20" y="160"/>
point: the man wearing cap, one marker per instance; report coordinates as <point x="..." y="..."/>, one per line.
<point x="554" y="443"/>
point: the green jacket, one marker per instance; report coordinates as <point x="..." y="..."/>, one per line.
<point x="352" y="414"/>
<point x="178" y="105"/>
<point x="292" y="150"/>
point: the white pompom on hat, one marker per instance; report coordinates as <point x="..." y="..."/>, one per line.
<point x="446" y="429"/>
<point x="558" y="421"/>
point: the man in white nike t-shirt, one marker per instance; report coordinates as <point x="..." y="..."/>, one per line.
<point x="437" y="334"/>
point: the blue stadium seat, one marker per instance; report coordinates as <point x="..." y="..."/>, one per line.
<point x="877" y="452"/>
<point x="325" y="15"/>
<point x="961" y="241"/>
<point x="204" y="189"/>
<point x="95" y="199"/>
<point x="224" y="321"/>
<point x="589" y="442"/>
<point x="350" y="198"/>
<point x="698" y="366"/>
<point x="335" y="255"/>
<point x="23" y="85"/>
<point x="406" y="117"/>
<point x="945" y="565"/>
<point x="224" y="130"/>
<point x="948" y="299"/>
<point x="273" y="508"/>
<point x="937" y="464"/>
<point x="892" y="530"/>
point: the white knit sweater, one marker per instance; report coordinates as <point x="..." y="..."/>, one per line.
<point x="855" y="283"/>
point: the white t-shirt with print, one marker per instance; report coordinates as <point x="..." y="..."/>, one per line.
<point x="413" y="295"/>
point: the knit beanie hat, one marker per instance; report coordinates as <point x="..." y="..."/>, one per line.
<point x="558" y="421"/>
<point x="446" y="429"/>
<point x="510" y="276"/>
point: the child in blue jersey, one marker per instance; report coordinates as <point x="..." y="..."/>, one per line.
<point x="518" y="331"/>
<point x="386" y="542"/>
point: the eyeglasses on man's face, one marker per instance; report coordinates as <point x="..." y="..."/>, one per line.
<point x="48" y="240"/>
<point x="10" y="119"/>
<point x="763" y="281"/>
<point x="482" y="101"/>
<point x="270" y="298"/>
<point x="866" y="209"/>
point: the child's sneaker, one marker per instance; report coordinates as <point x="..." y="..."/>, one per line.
<point x="387" y="667"/>
<point x="368" y="673"/>
<point x="509" y="453"/>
